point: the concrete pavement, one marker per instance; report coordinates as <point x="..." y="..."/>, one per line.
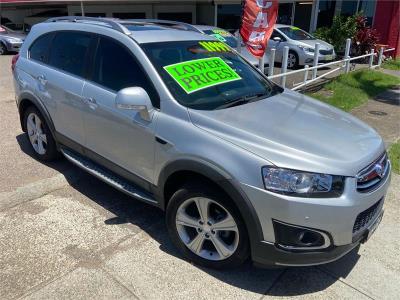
<point x="66" y="235"/>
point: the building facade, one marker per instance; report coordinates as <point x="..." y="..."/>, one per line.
<point x="306" y="14"/>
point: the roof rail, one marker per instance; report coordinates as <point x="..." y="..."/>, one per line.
<point x="167" y="23"/>
<point x="94" y="21"/>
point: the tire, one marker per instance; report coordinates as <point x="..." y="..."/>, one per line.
<point x="3" y="49"/>
<point x="39" y="135"/>
<point x="293" y="60"/>
<point x="199" y="246"/>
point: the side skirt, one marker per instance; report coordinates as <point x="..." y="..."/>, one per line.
<point x="109" y="177"/>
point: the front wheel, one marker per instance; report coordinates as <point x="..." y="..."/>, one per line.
<point x="206" y="228"/>
<point x="293" y="60"/>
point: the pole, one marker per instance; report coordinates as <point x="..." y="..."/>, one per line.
<point x="371" y="58"/>
<point x="315" y="62"/>
<point x="82" y="10"/>
<point x="284" y="65"/>
<point x="271" y="62"/>
<point x="261" y="64"/>
<point x="380" y="57"/>
<point x="347" y="55"/>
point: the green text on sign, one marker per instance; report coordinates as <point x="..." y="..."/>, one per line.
<point x="194" y="75"/>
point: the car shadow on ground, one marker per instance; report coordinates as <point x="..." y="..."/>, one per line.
<point x="127" y="210"/>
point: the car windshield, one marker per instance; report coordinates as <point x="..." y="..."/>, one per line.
<point x="296" y="33"/>
<point x="207" y="75"/>
<point x="223" y="36"/>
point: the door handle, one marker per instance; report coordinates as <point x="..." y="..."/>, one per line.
<point x="90" y="100"/>
<point x="42" y="79"/>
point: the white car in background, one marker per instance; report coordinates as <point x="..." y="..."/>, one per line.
<point x="301" y="46"/>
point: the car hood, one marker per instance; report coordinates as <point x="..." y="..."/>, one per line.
<point x="14" y="35"/>
<point x="311" y="44"/>
<point x="294" y="131"/>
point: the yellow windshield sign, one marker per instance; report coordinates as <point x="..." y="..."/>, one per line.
<point x="198" y="74"/>
<point x="215" y="46"/>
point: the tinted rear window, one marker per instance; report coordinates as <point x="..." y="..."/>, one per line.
<point x="40" y="48"/>
<point x="68" y="51"/>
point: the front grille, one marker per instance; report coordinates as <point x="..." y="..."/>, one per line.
<point x="326" y="52"/>
<point x="365" y="217"/>
<point x="371" y="176"/>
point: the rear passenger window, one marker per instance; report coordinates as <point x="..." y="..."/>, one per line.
<point x="40" y="48"/>
<point x="115" y="68"/>
<point x="68" y="51"/>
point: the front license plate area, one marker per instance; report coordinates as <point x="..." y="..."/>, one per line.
<point x="328" y="57"/>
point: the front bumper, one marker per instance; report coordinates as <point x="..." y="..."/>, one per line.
<point x="13" y="47"/>
<point x="308" y="58"/>
<point x="334" y="216"/>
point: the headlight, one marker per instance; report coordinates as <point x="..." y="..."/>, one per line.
<point x="302" y="184"/>
<point x="307" y="49"/>
<point x="13" y="40"/>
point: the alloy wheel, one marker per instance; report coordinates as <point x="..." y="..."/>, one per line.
<point x="207" y="228"/>
<point x="2" y="49"/>
<point x="292" y="60"/>
<point x="37" y="137"/>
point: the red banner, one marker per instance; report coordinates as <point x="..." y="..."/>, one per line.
<point x="258" y="20"/>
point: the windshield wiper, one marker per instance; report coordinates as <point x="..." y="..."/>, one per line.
<point x="241" y="100"/>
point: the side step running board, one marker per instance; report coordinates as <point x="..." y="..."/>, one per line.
<point x="108" y="177"/>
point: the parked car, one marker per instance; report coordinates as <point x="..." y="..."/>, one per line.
<point x="242" y="167"/>
<point x="301" y="46"/>
<point x="216" y="32"/>
<point x="10" y="41"/>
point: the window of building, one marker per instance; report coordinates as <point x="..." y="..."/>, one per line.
<point x="115" y="68"/>
<point x="129" y="15"/>
<point x="285" y="13"/>
<point x="367" y="8"/>
<point x="229" y="16"/>
<point x="68" y="51"/>
<point x="326" y="13"/>
<point x="176" y="16"/>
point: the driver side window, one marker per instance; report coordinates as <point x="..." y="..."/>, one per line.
<point x="277" y="34"/>
<point x="116" y="68"/>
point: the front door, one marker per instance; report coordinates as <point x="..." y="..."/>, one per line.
<point x="120" y="136"/>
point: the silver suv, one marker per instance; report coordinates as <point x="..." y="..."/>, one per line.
<point x="243" y="168"/>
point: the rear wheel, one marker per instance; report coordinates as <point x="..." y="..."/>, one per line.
<point x="206" y="228"/>
<point x="39" y="135"/>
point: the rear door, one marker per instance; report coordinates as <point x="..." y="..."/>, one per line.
<point x="120" y="136"/>
<point x="62" y="82"/>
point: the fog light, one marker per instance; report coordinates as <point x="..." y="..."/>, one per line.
<point x="292" y="237"/>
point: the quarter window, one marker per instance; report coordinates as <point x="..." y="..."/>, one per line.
<point x="115" y="68"/>
<point x="40" y="49"/>
<point x="68" y="51"/>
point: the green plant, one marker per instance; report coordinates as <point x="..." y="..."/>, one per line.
<point x="394" y="155"/>
<point x="392" y="64"/>
<point x="341" y="29"/>
<point x="365" y="38"/>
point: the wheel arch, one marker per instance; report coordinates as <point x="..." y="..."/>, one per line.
<point x="26" y="100"/>
<point x="176" y="173"/>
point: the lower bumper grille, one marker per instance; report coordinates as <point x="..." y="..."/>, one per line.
<point x="365" y="217"/>
<point x="326" y="52"/>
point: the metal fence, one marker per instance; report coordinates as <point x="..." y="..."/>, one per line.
<point x="343" y="64"/>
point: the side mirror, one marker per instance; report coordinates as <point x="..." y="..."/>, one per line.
<point x="135" y="98"/>
<point x="277" y="39"/>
